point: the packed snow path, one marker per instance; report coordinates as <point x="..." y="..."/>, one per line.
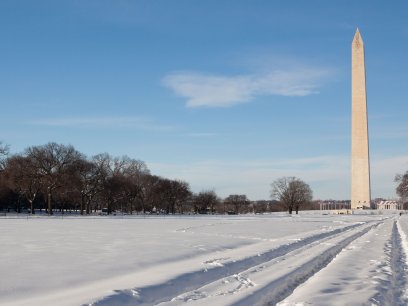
<point x="251" y="260"/>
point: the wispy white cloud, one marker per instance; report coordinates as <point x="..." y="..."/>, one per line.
<point x="104" y="122"/>
<point x="328" y="176"/>
<point x="206" y="90"/>
<point x="389" y="133"/>
<point x="200" y="135"/>
<point x="253" y="178"/>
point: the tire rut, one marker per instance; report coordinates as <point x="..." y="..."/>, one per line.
<point x="282" y="287"/>
<point x="395" y="285"/>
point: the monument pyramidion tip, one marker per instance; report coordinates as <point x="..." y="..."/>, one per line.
<point x="357" y="40"/>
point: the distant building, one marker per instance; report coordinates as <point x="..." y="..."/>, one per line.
<point x="334" y="204"/>
<point x="378" y="203"/>
<point x="389" y="204"/>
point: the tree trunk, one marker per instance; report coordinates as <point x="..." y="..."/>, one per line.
<point x="82" y="204"/>
<point x="88" y="205"/>
<point x="290" y="210"/>
<point x="143" y="206"/>
<point x="31" y="207"/>
<point x="49" y="202"/>
<point x="19" y="205"/>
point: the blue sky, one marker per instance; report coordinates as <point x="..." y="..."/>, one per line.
<point x="227" y="95"/>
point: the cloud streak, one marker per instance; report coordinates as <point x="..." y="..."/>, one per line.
<point x="104" y="122"/>
<point x="205" y="90"/>
<point x="323" y="173"/>
<point x="328" y="176"/>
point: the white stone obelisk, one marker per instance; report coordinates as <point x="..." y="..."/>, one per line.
<point x="360" y="161"/>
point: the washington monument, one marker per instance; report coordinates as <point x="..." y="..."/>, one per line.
<point x="360" y="162"/>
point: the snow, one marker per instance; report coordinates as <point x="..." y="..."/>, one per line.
<point x="200" y="260"/>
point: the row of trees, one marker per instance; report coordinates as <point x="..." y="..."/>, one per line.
<point x="56" y="176"/>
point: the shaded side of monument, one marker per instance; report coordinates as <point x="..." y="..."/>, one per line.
<point x="360" y="160"/>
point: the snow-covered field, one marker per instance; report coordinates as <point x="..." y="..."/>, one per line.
<point x="205" y="260"/>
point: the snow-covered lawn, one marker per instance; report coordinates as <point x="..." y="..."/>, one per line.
<point x="205" y="260"/>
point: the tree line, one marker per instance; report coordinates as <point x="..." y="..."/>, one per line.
<point x="56" y="177"/>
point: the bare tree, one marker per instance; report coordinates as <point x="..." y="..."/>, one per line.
<point x="237" y="202"/>
<point x="173" y="194"/>
<point x="261" y="206"/>
<point x="275" y="206"/>
<point x="98" y="180"/>
<point x="180" y="194"/>
<point x="122" y="179"/>
<point x="133" y="172"/>
<point x="163" y="196"/>
<point x="85" y="182"/>
<point x="292" y="192"/>
<point x="205" y="201"/>
<point x="402" y="188"/>
<point x="147" y="195"/>
<point x="4" y="150"/>
<point x="23" y="176"/>
<point x="55" y="163"/>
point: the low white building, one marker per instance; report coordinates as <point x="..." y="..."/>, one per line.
<point x="393" y="205"/>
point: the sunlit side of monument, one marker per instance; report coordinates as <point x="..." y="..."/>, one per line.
<point x="360" y="162"/>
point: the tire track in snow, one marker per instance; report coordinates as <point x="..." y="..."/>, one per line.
<point x="159" y="293"/>
<point x="282" y="287"/>
<point x="395" y="285"/>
